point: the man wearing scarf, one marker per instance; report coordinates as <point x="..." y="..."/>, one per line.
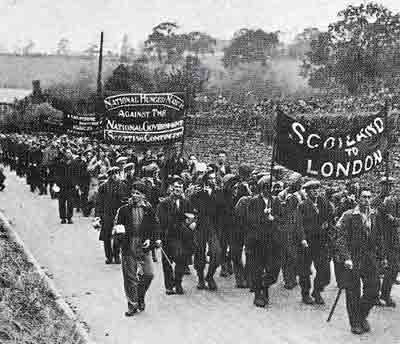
<point x="141" y="229"/>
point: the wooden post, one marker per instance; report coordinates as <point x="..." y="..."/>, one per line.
<point x="99" y="84"/>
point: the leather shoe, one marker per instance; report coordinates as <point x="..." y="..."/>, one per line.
<point x="179" y="290"/>
<point x="70" y="221"/>
<point x="224" y="272"/>
<point x="307" y="299"/>
<point x="131" y="312"/>
<point x="142" y="305"/>
<point x="318" y="298"/>
<point x="389" y="302"/>
<point x="259" y="300"/>
<point x="63" y="221"/>
<point x="357" y="330"/>
<point x="169" y="292"/>
<point x="201" y="285"/>
<point x="365" y="326"/>
<point x="108" y="261"/>
<point x="211" y="283"/>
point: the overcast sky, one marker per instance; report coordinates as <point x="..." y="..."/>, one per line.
<point x="80" y="21"/>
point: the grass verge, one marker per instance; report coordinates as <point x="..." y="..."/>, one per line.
<point x="28" y="311"/>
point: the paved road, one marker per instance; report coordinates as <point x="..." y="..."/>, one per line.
<point x="74" y="257"/>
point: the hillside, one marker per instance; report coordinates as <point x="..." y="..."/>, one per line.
<point x="19" y="71"/>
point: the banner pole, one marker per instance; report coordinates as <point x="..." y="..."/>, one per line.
<point x="387" y="151"/>
<point x="273" y="151"/>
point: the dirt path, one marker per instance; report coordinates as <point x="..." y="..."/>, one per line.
<point x="74" y="257"/>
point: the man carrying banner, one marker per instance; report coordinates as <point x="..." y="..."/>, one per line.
<point x="360" y="248"/>
<point x="312" y="218"/>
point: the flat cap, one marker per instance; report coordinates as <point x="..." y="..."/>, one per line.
<point x="102" y="177"/>
<point x="175" y="179"/>
<point x="312" y="184"/>
<point x="121" y="160"/>
<point x="264" y="181"/>
<point x="129" y="166"/>
<point x="113" y="170"/>
<point x="387" y="180"/>
<point x="139" y="186"/>
<point x="230" y="179"/>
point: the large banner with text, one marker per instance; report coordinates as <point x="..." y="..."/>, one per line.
<point x="344" y="153"/>
<point x="144" y="118"/>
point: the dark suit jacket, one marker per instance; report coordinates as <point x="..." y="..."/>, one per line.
<point x="260" y="227"/>
<point x="388" y="219"/>
<point x="148" y="229"/>
<point x="111" y="196"/>
<point x="357" y="242"/>
<point x="171" y="218"/>
<point x="208" y="207"/>
<point x="310" y="220"/>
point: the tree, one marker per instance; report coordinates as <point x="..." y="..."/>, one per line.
<point x="200" y="43"/>
<point x="27" y="49"/>
<point x="165" y="42"/>
<point x="134" y="78"/>
<point x="92" y="50"/>
<point x="63" y="46"/>
<point x="302" y="42"/>
<point x="361" y="48"/>
<point x="250" y="46"/>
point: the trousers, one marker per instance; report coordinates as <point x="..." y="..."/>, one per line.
<point x="137" y="272"/>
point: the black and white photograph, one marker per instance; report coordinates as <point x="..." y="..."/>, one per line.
<point x="199" y="172"/>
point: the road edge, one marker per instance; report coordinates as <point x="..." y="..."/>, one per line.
<point x="62" y="306"/>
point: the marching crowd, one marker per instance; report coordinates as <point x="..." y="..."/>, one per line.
<point x="250" y="223"/>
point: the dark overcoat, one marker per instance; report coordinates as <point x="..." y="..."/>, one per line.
<point x="111" y="196"/>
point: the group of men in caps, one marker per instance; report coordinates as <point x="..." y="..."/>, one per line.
<point x="207" y="216"/>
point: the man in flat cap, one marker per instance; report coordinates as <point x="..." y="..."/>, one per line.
<point x="207" y="203"/>
<point x="66" y="178"/>
<point x="171" y="214"/>
<point x="291" y="197"/>
<point x="359" y="245"/>
<point x="111" y="195"/>
<point x="141" y="231"/>
<point x="121" y="162"/>
<point x="313" y="236"/>
<point x="388" y="220"/>
<point x="263" y="241"/>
